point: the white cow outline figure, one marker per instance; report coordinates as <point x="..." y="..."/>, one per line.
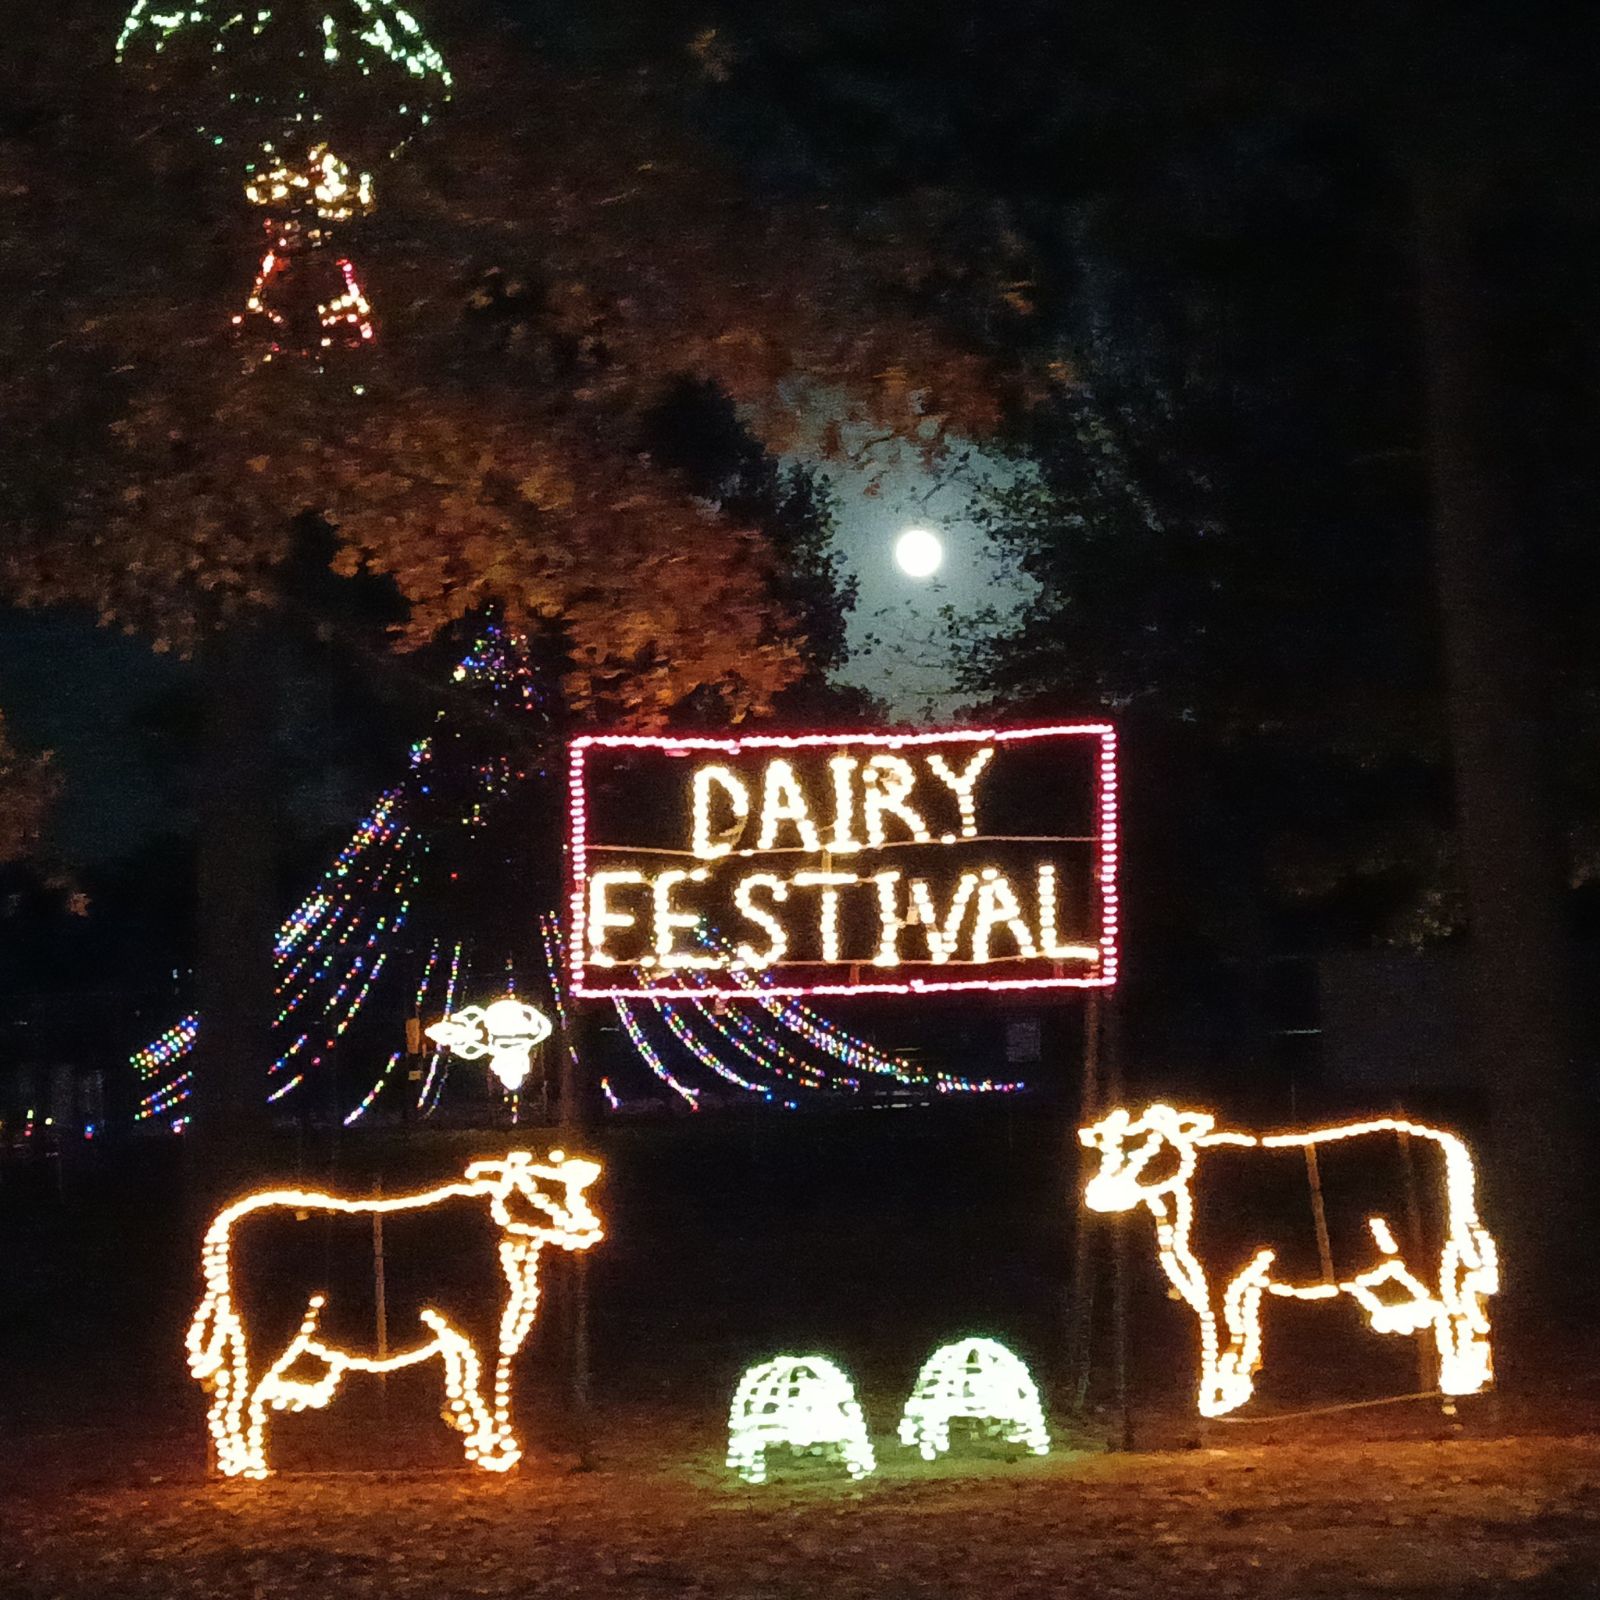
<point x="1468" y="1267"/>
<point x="218" y="1349"/>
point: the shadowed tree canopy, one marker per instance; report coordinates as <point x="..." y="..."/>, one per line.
<point x="28" y="785"/>
<point x="543" y="285"/>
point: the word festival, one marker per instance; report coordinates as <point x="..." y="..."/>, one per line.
<point x="844" y="864"/>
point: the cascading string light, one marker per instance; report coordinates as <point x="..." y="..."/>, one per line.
<point x="364" y="1105"/>
<point x="163" y="1099"/>
<point x="769" y="1052"/>
<point x="179" y="1039"/>
<point x="648" y="1054"/>
<point x="707" y="1057"/>
<point x="427" y="1096"/>
<point x="858" y="1054"/>
<point x="1468" y="1271"/>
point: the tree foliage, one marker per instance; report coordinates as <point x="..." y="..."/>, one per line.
<point x="28" y="786"/>
<point x="543" y="282"/>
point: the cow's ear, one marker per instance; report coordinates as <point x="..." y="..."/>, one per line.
<point x="1088" y="1137"/>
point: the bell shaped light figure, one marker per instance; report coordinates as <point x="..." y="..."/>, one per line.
<point x="978" y="1379"/>
<point x="804" y="1402"/>
<point x="505" y="1030"/>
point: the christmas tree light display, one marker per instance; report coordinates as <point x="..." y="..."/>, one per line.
<point x="804" y="1403"/>
<point x="980" y="1381"/>
<point x="394" y="929"/>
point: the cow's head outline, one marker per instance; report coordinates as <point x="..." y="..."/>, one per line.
<point x="1128" y="1145"/>
<point x="559" y="1197"/>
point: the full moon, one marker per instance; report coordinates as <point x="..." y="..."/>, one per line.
<point x="918" y="552"/>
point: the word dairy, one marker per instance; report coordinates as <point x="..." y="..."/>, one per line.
<point x="975" y="860"/>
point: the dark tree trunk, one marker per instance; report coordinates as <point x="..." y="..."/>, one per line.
<point x="235" y="916"/>
<point x="1499" y="720"/>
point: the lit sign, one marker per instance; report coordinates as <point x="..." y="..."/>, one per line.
<point x="845" y="863"/>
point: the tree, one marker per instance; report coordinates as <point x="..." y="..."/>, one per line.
<point x="1066" y="126"/>
<point x="541" y="282"/>
<point x="28" y="786"/>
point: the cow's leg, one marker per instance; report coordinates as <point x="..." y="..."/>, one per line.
<point x="1229" y="1379"/>
<point x="1469" y="1275"/>
<point x="486" y="1445"/>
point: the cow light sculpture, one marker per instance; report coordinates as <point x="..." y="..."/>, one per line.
<point x="1156" y="1159"/>
<point x="532" y="1203"/>
<point x="505" y="1030"/>
<point x="977" y="1379"/>
<point x="804" y="1402"/>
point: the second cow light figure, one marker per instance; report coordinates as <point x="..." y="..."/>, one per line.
<point x="1157" y="1159"/>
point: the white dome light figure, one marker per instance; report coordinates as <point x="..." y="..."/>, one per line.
<point x="804" y="1402"/>
<point x="980" y="1380"/>
<point x="919" y="553"/>
<point x="505" y="1030"/>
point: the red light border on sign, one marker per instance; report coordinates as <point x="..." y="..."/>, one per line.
<point x="1106" y="806"/>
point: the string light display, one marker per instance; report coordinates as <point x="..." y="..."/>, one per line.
<point x="367" y="36"/>
<point x="271" y="83"/>
<point x="428" y="1095"/>
<point x="305" y="301"/>
<point x="325" y="945"/>
<point x="652" y="1059"/>
<point x="804" y="1403"/>
<point x="706" y="1057"/>
<point x="1167" y="1144"/>
<point x="756" y="801"/>
<point x="980" y="1381"/>
<point x="860" y="1055"/>
<point x="341" y="954"/>
<point x="552" y="1192"/>
<point x="321" y="183"/>
<point x="505" y="1030"/>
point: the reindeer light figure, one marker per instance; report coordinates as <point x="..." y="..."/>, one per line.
<point x="533" y="1204"/>
<point x="1154" y="1160"/>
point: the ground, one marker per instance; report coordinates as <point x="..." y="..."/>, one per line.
<point x="1463" y="1517"/>
<point x="871" y="1239"/>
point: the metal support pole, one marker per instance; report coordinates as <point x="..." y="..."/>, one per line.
<point x="1080" y="1284"/>
<point x="1319" y="1215"/>
<point x="571" y="1121"/>
<point x="380" y="1297"/>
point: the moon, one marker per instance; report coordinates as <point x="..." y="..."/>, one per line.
<point x="918" y="552"/>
